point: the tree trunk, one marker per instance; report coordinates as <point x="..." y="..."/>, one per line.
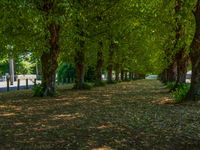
<point x="139" y="76"/>
<point x="99" y="65"/>
<point x="110" y="68"/>
<point x="194" y="92"/>
<point x="126" y="76"/>
<point x="130" y="76"/>
<point x="49" y="61"/>
<point x="80" y="66"/>
<point x="182" y="61"/>
<point x="117" y="72"/>
<point x="180" y="57"/>
<point x="171" y="72"/>
<point x="110" y="63"/>
<point x="163" y="76"/>
<point x="122" y="75"/>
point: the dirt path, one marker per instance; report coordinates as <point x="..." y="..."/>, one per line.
<point x="124" y="116"/>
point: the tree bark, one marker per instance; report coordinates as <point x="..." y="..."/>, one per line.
<point x="49" y="61"/>
<point x="163" y="76"/>
<point x="110" y="63"/>
<point x="126" y="76"/>
<point x="99" y="65"/>
<point x="117" y="72"/>
<point x="182" y="62"/>
<point x="172" y="72"/>
<point x="194" y="92"/>
<point x="122" y="75"/>
<point x="130" y="76"/>
<point x="80" y="66"/>
<point x="181" y="58"/>
<point x="139" y="76"/>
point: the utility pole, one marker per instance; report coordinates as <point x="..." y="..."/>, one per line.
<point x="11" y="64"/>
<point x="11" y="68"/>
<point x="37" y="70"/>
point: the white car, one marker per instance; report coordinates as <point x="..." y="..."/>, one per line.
<point x="151" y="77"/>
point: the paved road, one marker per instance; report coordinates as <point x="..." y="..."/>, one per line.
<point x="3" y="85"/>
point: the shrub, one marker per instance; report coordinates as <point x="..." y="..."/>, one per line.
<point x="180" y="92"/>
<point x="100" y="83"/>
<point x="38" y="90"/>
<point x="170" y="85"/>
<point x="87" y="86"/>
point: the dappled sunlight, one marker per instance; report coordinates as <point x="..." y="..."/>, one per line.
<point x="121" y="116"/>
<point x="164" y="100"/>
<point x="105" y="126"/>
<point x="13" y="107"/>
<point x="107" y="102"/>
<point x="102" y="148"/>
<point x="18" y="123"/>
<point x="3" y="106"/>
<point x="65" y="116"/>
<point x="81" y="98"/>
<point x="44" y="127"/>
<point x="7" y="114"/>
<point x="63" y="99"/>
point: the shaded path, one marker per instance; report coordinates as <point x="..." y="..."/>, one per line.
<point x="121" y="116"/>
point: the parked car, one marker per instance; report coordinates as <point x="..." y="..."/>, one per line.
<point x="152" y="76"/>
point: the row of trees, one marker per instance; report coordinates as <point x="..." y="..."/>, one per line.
<point x="120" y="35"/>
<point x="185" y="48"/>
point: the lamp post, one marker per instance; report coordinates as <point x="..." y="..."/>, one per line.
<point x="11" y="64"/>
<point x="11" y="69"/>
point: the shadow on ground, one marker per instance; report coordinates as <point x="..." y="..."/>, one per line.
<point x="122" y="116"/>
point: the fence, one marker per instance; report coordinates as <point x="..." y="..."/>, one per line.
<point x="21" y="82"/>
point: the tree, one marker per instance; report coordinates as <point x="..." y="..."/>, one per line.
<point x="35" y="26"/>
<point x="194" y="92"/>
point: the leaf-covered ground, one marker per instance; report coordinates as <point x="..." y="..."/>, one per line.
<point x="124" y="116"/>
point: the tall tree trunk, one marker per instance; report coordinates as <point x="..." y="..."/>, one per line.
<point x="181" y="58"/>
<point x="139" y="76"/>
<point x="99" y="65"/>
<point x="117" y="68"/>
<point x="163" y="76"/>
<point x="172" y="72"/>
<point x="80" y="66"/>
<point x="49" y="61"/>
<point x="110" y="63"/>
<point x="130" y="76"/>
<point x="122" y="74"/>
<point x="182" y="62"/>
<point x="194" y="92"/>
<point x="126" y="75"/>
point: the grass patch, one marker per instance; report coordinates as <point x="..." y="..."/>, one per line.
<point x="99" y="83"/>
